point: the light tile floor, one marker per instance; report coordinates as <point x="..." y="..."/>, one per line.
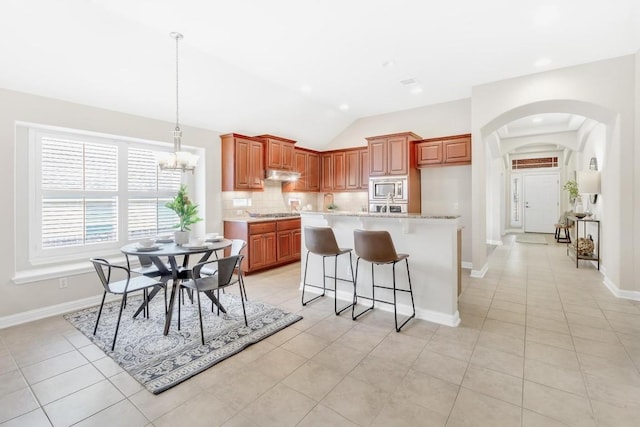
<point x="541" y="343"/>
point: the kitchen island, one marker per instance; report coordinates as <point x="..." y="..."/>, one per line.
<point x="432" y="243"/>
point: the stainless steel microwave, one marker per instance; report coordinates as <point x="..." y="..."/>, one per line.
<point x="384" y="187"/>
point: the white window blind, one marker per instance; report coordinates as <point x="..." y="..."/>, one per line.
<point x="79" y="185"/>
<point x="97" y="191"/>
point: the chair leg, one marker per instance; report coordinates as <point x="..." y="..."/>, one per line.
<point x="335" y="286"/>
<point x="304" y="281"/>
<point x="115" y="335"/>
<point x="244" y="290"/>
<point x="244" y="311"/>
<point x="179" y="291"/>
<point x="104" y="295"/>
<point x="354" y="316"/>
<point x="395" y="312"/>
<point x="200" y="315"/>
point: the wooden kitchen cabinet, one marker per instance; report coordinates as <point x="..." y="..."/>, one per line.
<point x="357" y="169"/>
<point x="326" y="180"/>
<point x="307" y="163"/>
<point x="278" y="152"/>
<point x="450" y="150"/>
<point x="270" y="243"/>
<point x="392" y="154"/>
<point x="342" y="170"/>
<point x="242" y="163"/>
<point x="364" y="168"/>
<point x="288" y="232"/>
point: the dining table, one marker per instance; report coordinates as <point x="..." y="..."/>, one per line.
<point x="174" y="272"/>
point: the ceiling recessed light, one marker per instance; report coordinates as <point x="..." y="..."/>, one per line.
<point x="536" y="119"/>
<point x="408" y="82"/>
<point x="416" y="90"/>
<point x="344" y="107"/>
<point x="542" y="62"/>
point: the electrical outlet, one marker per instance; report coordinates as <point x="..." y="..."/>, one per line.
<point x="62" y="282"/>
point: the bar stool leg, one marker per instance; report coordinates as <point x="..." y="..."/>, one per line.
<point x="394" y="297"/>
<point x="304" y="281"/>
<point x="354" y="316"/>
<point x="335" y="284"/>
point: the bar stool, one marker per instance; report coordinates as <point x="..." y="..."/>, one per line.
<point x="377" y="248"/>
<point x="321" y="241"/>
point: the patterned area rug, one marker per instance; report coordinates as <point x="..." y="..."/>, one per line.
<point x="160" y="362"/>
<point x="538" y="239"/>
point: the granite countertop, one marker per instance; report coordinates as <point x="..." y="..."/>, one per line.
<point x="382" y="215"/>
<point x="260" y="218"/>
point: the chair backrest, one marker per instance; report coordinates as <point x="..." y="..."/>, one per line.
<point x="237" y="245"/>
<point x="374" y="246"/>
<point x="226" y="268"/>
<point x="103" y="268"/>
<point x="321" y="240"/>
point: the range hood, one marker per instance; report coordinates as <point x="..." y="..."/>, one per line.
<point x="281" y="175"/>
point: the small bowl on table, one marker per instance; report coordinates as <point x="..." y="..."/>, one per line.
<point x="580" y="215"/>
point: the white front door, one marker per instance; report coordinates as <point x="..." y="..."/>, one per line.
<point x="541" y="207"/>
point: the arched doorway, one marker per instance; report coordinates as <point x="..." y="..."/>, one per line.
<point x="494" y="170"/>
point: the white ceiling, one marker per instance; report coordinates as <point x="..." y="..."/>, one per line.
<point x="285" y="66"/>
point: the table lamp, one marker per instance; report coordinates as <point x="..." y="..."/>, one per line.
<point x="589" y="183"/>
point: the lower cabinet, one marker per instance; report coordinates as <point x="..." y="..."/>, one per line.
<point x="288" y="246"/>
<point x="269" y="243"/>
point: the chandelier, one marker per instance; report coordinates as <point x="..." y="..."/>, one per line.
<point x="178" y="160"/>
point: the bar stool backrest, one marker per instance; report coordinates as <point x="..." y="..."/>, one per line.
<point x="321" y="240"/>
<point x="374" y="246"/>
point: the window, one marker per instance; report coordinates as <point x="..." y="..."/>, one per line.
<point x="95" y="192"/>
<point x="541" y="162"/>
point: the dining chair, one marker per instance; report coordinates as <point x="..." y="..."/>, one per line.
<point x="207" y="284"/>
<point x="237" y="246"/>
<point x="123" y="287"/>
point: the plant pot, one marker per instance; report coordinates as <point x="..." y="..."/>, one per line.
<point x="181" y="237"/>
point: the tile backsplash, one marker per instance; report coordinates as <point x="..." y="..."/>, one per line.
<point x="272" y="199"/>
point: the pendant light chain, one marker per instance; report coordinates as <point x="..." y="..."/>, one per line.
<point x="178" y="36"/>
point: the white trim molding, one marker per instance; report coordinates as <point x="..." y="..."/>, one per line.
<point x="52" y="310"/>
<point x="620" y="293"/>
<point x="479" y="274"/>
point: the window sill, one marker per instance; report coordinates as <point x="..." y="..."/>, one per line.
<point x="38" y="274"/>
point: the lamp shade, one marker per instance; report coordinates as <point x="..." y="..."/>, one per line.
<point x="589" y="182"/>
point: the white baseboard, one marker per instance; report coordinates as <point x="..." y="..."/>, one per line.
<point x="479" y="274"/>
<point x="52" y="310"/>
<point x="620" y="293"/>
<point x="494" y="242"/>
<point x="467" y="265"/>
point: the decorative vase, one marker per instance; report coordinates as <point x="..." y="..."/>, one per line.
<point x="181" y="237"/>
<point x="578" y="208"/>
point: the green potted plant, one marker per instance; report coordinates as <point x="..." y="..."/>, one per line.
<point x="572" y="187"/>
<point x="187" y="214"/>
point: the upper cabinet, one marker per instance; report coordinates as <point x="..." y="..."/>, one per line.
<point x="357" y="169"/>
<point x="278" y="152"/>
<point x="242" y="163"/>
<point x="343" y="170"/>
<point x="450" y="150"/>
<point x="307" y="164"/>
<point x="392" y="154"/>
